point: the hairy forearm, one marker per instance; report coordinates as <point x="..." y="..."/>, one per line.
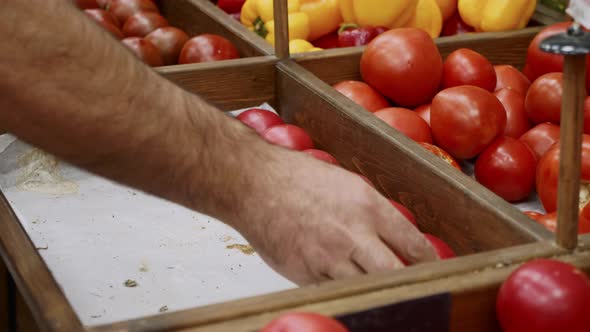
<point x="70" y="89"/>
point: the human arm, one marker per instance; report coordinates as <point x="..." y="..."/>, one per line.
<point x="69" y="88"/>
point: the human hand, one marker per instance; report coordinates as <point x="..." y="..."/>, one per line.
<point x="312" y="222"/>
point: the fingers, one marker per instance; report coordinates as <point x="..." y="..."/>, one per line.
<point x="343" y="270"/>
<point x="372" y="255"/>
<point x="404" y="238"/>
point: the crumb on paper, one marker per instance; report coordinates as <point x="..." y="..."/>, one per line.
<point x="95" y="316"/>
<point x="203" y="227"/>
<point x="244" y="248"/>
<point x="40" y="173"/>
<point x="164" y="308"/>
<point x="143" y="267"/>
<point x="42" y="248"/>
<point x="130" y="283"/>
<point x="227" y="238"/>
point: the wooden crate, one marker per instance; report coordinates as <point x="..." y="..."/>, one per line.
<point x="479" y="221"/>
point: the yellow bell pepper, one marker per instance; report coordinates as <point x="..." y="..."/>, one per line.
<point x="258" y="16"/>
<point x="324" y="16"/>
<point x="386" y="13"/>
<point x="428" y="17"/>
<point x="497" y="15"/>
<point x="301" y="46"/>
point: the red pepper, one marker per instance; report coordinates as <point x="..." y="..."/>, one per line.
<point x="231" y="6"/>
<point x="456" y="26"/>
<point x="328" y="41"/>
<point x="351" y="35"/>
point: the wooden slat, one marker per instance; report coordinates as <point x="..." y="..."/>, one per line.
<point x="229" y="85"/>
<point x="332" y="291"/>
<point x="446" y="202"/>
<point x="547" y="16"/>
<point x="473" y="294"/>
<point x="333" y="66"/>
<point x="24" y="318"/>
<point x="202" y="16"/>
<point x="49" y="306"/>
<point x="4" y="298"/>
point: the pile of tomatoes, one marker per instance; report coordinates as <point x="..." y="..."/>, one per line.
<point x="141" y="27"/>
<point x="465" y="108"/>
<point x="272" y="128"/>
<point x="540" y="296"/>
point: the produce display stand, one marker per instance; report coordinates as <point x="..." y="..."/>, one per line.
<point x="492" y="236"/>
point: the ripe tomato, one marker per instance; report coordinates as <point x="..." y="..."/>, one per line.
<point x="142" y="23"/>
<point x="407" y="122"/>
<point x="169" y="40"/>
<point x="207" y="47"/>
<point x="144" y="50"/>
<point x="442" y="249"/>
<point x="507" y="167"/>
<point x="456" y="26"/>
<point x="403" y="65"/>
<point x="544" y="296"/>
<point x="541" y="138"/>
<point x="533" y="215"/>
<point x="442" y="154"/>
<point x="509" y="77"/>
<point x="301" y="321"/>
<point x="288" y="136"/>
<point x="517" y="121"/>
<point x="543" y="100"/>
<point x="322" y="155"/>
<point x="123" y="9"/>
<point x="549" y="220"/>
<point x="465" y="119"/>
<point x="467" y="67"/>
<point x="362" y="94"/>
<point x="424" y="112"/>
<point x="404" y="211"/>
<point x="102" y="16"/>
<point x="587" y="116"/>
<point x="85" y="4"/>
<point x="259" y="119"/>
<point x="548" y="176"/>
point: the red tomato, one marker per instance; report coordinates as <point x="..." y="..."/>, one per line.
<point x="467" y="67"/>
<point x="465" y="119"/>
<point x="308" y="322"/>
<point x="541" y="138"/>
<point x="543" y="100"/>
<point x="231" y="6"/>
<point x="85" y="4"/>
<point x="517" y="121"/>
<point x="142" y="23"/>
<point x="405" y="212"/>
<point x="407" y="122"/>
<point x="424" y="112"/>
<point x="509" y="77"/>
<point x="507" y="167"/>
<point x="322" y="155"/>
<point x="442" y="154"/>
<point x="144" y="50"/>
<point x="548" y="175"/>
<point x="533" y="215"/>
<point x="207" y="47"/>
<point x="123" y="9"/>
<point x="403" y="65"/>
<point x="362" y="94"/>
<point x="587" y="116"/>
<point x="539" y="62"/>
<point x="169" y="40"/>
<point x="259" y="119"/>
<point x="102" y="16"/>
<point x="549" y="220"/>
<point x="288" y="136"/>
<point x="328" y="41"/>
<point x="442" y="249"/>
<point x="455" y="26"/>
<point x="527" y="72"/>
<point x="544" y="296"/>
